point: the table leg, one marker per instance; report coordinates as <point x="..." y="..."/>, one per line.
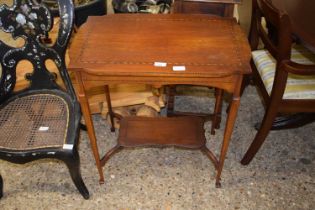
<point x="227" y="136"/>
<point x="109" y="107"/>
<point x="89" y="125"/>
<point x="170" y="99"/>
<point x="217" y="110"/>
<point x="233" y="108"/>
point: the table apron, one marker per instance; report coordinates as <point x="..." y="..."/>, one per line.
<point x="227" y="83"/>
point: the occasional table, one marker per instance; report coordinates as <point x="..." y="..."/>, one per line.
<point x="161" y="50"/>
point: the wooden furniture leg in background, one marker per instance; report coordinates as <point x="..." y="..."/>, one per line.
<point x="111" y="113"/>
<point x="110" y="109"/>
<point x="171" y="91"/>
<point x="215" y="116"/>
<point x="216" y="119"/>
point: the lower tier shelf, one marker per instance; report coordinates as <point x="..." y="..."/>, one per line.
<point x="186" y="132"/>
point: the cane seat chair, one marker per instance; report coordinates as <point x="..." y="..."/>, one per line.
<point x="42" y="120"/>
<point x="283" y="71"/>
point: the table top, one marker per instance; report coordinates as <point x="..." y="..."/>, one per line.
<point x="131" y="44"/>
<point x="302" y="18"/>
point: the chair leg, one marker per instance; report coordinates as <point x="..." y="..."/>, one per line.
<point x="260" y="135"/>
<point x="73" y="164"/>
<point x="1" y="186"/>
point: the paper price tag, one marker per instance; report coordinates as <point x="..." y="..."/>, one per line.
<point x="67" y="146"/>
<point x="179" y="68"/>
<point x="43" y="128"/>
<point x="160" y="64"/>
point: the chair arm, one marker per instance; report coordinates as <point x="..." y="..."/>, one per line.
<point x="296" y="68"/>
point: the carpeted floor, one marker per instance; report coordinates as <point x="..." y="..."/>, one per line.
<point x="282" y="176"/>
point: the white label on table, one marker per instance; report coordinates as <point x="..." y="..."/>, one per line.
<point x="67" y="146"/>
<point x="43" y="128"/>
<point x="160" y="64"/>
<point x="179" y="68"/>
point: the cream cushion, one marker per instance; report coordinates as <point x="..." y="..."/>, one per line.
<point x="298" y="87"/>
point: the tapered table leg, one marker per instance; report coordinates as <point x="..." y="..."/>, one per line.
<point x="227" y="136"/>
<point x="89" y="125"/>
<point x="230" y="121"/>
<point x="217" y="110"/>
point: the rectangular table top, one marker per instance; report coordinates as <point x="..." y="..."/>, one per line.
<point x="137" y="44"/>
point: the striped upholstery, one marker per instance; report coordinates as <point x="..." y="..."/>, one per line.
<point x="298" y="87"/>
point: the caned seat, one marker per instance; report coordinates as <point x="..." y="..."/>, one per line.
<point x="34" y="122"/>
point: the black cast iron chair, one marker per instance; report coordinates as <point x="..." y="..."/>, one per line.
<point x="42" y="120"/>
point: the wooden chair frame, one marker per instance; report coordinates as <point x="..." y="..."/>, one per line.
<point x="278" y="43"/>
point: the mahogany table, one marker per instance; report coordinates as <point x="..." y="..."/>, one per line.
<point x="302" y="19"/>
<point x="161" y="50"/>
